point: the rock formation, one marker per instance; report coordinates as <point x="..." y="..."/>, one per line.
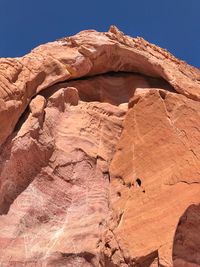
<point x="99" y="155"/>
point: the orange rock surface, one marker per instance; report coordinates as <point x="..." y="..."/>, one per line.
<point x="99" y="155"/>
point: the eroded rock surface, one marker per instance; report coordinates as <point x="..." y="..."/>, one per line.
<point x="100" y="155"/>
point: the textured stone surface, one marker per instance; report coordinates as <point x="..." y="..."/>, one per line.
<point x="100" y="155"/>
<point x="160" y="147"/>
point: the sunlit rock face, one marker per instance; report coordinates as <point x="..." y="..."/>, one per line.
<point x="99" y="155"/>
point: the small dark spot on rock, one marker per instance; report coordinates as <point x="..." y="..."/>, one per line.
<point x="128" y="184"/>
<point x="107" y="245"/>
<point x="138" y="182"/>
<point x="119" y="194"/>
<point x="162" y="94"/>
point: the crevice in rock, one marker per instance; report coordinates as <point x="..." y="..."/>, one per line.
<point x="147" y="260"/>
<point x="124" y="259"/>
<point x="120" y="217"/>
<point x="106" y="174"/>
<point x="22" y="119"/>
<point x="134" y="101"/>
<point x="162" y="94"/>
<point x="185" y="182"/>
<point x="186" y="241"/>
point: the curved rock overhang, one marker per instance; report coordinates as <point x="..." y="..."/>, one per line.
<point x="86" y="54"/>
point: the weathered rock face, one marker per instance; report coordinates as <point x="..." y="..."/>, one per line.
<point x="100" y="155"/>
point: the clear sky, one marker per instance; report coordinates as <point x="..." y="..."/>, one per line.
<point x="171" y="24"/>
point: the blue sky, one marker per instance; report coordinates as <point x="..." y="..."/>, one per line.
<point x="171" y="24"/>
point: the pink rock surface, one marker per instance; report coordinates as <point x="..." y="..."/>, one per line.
<point x="100" y="155"/>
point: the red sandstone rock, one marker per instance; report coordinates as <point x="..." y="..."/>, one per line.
<point x="102" y="170"/>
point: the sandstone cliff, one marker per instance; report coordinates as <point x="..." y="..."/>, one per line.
<point x="99" y="155"/>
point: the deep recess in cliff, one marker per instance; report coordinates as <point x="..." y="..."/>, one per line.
<point x="99" y="155"/>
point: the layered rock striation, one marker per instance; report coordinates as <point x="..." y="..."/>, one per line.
<point x="99" y="155"/>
